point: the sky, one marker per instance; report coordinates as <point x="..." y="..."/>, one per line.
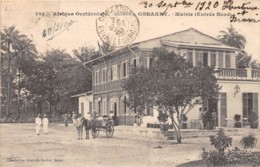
<point x="82" y="31"/>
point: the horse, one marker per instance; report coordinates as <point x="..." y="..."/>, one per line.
<point x="88" y="126"/>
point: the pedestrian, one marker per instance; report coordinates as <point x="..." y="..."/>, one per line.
<point x="74" y="118"/>
<point x="38" y="123"/>
<point x="214" y="117"/>
<point x="79" y="125"/>
<point x="201" y="115"/>
<point x="111" y="114"/>
<point x="66" y="119"/>
<point x="206" y="118"/>
<point x="45" y="123"/>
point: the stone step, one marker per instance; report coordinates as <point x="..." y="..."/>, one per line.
<point x="170" y="135"/>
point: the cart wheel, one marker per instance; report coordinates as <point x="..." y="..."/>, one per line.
<point x="94" y="132"/>
<point x="109" y="130"/>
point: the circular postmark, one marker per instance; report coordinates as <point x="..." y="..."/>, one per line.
<point x="118" y="26"/>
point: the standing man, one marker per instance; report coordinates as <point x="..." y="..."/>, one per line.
<point x="74" y="118"/>
<point x="214" y="118"/>
<point x="66" y="117"/>
<point x="206" y="118"/>
<point x="79" y="126"/>
<point x="38" y="123"/>
<point x="45" y="123"/>
<point x="86" y="123"/>
<point x="201" y="115"/>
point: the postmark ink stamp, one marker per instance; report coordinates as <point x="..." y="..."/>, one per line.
<point x="118" y="26"/>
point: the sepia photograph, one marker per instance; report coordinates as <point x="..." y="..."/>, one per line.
<point x="141" y="83"/>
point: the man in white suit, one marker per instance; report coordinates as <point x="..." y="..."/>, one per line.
<point x="38" y="123"/>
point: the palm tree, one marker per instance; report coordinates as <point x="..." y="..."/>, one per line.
<point x="9" y="38"/>
<point x="232" y="38"/>
<point x="26" y="52"/>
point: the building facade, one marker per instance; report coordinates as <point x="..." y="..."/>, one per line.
<point x="240" y="87"/>
<point x="85" y="103"/>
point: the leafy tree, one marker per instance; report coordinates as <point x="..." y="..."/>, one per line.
<point x="172" y="85"/>
<point x="55" y="78"/>
<point x="44" y="83"/>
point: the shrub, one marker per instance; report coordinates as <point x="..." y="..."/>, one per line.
<point x="162" y="117"/>
<point x="248" y="141"/>
<point x="220" y="141"/>
<point x="237" y="156"/>
<point x="214" y="158"/>
<point x="253" y="119"/>
<point x="237" y="119"/>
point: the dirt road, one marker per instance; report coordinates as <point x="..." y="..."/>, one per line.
<point x="21" y="147"/>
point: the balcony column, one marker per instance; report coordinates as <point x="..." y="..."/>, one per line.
<point x="249" y="73"/>
<point x="193" y="57"/>
<point x="209" y="59"/>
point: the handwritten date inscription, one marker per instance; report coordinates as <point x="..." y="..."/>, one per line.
<point x="56" y="29"/>
<point x="240" y="9"/>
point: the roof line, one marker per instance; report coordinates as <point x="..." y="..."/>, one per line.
<point x="154" y="39"/>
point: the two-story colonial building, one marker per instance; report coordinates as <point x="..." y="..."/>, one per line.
<point x="240" y="87"/>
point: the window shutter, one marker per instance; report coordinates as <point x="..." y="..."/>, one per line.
<point x="255" y="103"/>
<point x="117" y="69"/>
<point x="223" y="109"/>
<point x="100" y="76"/>
<point x="220" y="59"/>
<point x="109" y="74"/>
<point x="213" y="59"/>
<point x="137" y="62"/>
<point x="95" y="77"/>
<point x="228" y="63"/>
<point x="144" y="62"/>
<point x="245" y="105"/>
<point x="127" y="68"/>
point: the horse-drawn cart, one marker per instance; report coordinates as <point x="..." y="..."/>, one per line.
<point x="102" y="124"/>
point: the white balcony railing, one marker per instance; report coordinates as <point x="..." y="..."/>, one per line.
<point x="238" y="73"/>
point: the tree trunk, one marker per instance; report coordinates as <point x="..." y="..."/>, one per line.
<point x="1" y="86"/>
<point x="19" y="92"/>
<point x="8" y="81"/>
<point x="50" y="110"/>
<point x="177" y="130"/>
<point x="39" y="108"/>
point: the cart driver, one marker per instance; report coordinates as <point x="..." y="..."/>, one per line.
<point x="111" y="114"/>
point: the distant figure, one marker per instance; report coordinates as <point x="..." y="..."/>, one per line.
<point x="206" y="118"/>
<point x="66" y="119"/>
<point x="201" y="115"/>
<point x="79" y="125"/>
<point x="38" y="123"/>
<point x="45" y="123"/>
<point x="74" y="118"/>
<point x="111" y="114"/>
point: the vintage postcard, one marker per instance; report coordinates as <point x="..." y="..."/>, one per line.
<point x="117" y="83"/>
